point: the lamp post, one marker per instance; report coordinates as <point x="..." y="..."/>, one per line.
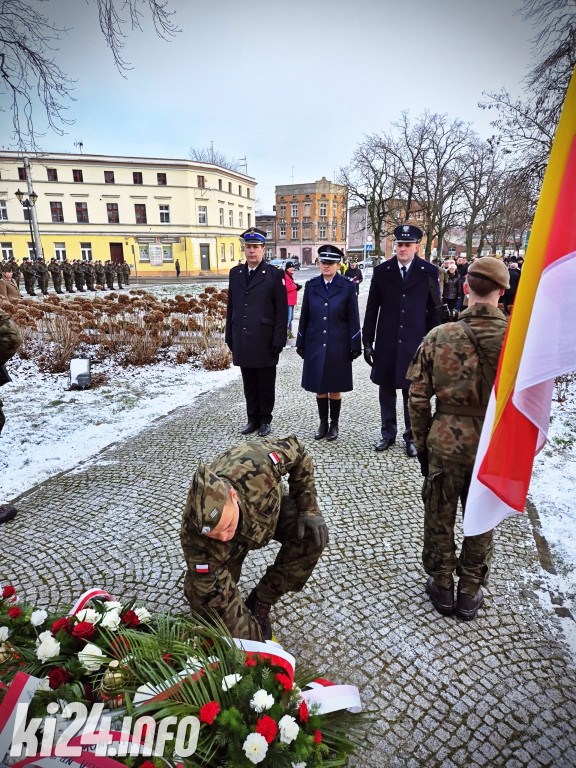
<point x="29" y="204"/>
<point x="366" y="230"/>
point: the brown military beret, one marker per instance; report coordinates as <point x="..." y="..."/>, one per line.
<point x="206" y="499"/>
<point x="492" y="269"/>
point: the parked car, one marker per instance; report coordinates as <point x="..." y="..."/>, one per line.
<point x="369" y="262"/>
<point x="281" y="263"/>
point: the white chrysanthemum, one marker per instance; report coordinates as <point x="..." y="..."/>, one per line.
<point x="112" y="605"/>
<point x="91" y="657"/>
<point x="261" y="701"/>
<point x="143" y="614"/>
<point x="288" y="729"/>
<point x="38" y="617"/>
<point x="255" y="747"/>
<point x="111" y="620"/>
<point x="47" y="647"/>
<point x="230" y="681"/>
<point x="3" y="634"/>
<point x="89" y="615"/>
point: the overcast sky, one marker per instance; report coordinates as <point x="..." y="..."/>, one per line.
<point x="293" y="87"/>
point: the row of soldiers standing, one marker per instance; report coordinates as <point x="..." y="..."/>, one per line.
<point x="77" y="275"/>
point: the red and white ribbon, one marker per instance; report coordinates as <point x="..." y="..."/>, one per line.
<point x="20" y="691"/>
<point x="86" y="597"/>
<point x="332" y="697"/>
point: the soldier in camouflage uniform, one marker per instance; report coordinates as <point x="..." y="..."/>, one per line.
<point x="236" y="505"/>
<point x="89" y="275"/>
<point x="55" y="271"/>
<point x="15" y="271"/>
<point x="68" y="276"/>
<point x="29" y="274"/>
<point x="457" y="363"/>
<point x="42" y="275"/>
<point x="126" y="272"/>
<point x="10" y="340"/>
<point x="109" y="272"/>
<point x="99" y="273"/>
<point x="120" y="275"/>
<point x="78" y="272"/>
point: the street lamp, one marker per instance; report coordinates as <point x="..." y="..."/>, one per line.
<point x="28" y="204"/>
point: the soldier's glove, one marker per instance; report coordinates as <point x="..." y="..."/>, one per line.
<point x="423" y="459"/>
<point x="276" y="351"/>
<point x="354" y="353"/>
<point x="300" y="351"/>
<point x="443" y="313"/>
<point x="369" y="355"/>
<point x="317" y="525"/>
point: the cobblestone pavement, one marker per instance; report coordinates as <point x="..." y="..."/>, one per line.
<point x="499" y="691"/>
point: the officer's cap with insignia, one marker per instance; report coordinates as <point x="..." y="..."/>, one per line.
<point x="491" y="268"/>
<point x="329" y="254"/>
<point x="206" y="499"/>
<point x="408" y="233"/>
<point x="254" y="235"/>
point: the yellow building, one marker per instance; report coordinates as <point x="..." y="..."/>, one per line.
<point x="148" y="212"/>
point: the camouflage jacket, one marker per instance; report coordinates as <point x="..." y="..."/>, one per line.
<point x="10" y="337"/>
<point x="54" y="268"/>
<point x="446" y="365"/>
<point x="66" y="267"/>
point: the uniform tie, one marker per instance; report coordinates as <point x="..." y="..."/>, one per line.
<point x="403" y="270"/>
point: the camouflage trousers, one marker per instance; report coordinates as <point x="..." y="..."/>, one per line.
<point x="218" y="591"/>
<point x="446" y="484"/>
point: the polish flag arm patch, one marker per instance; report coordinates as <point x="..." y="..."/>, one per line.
<point x="273" y="458"/>
<point x="202" y="568"/>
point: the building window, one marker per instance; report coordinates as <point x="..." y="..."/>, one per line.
<point x="59" y="251"/>
<point x="282" y="233"/>
<point x="31" y="251"/>
<point x="220" y="184"/>
<point x="230" y="186"/>
<point x="201" y="182"/>
<point x="109" y="177"/>
<point x="240" y="219"/>
<point x="231" y="218"/>
<point x="294" y="210"/>
<point x="333" y="233"/>
<point x="52" y="174"/>
<point x="143" y="253"/>
<point x="112" y="211"/>
<point x="249" y="217"/>
<point x="221" y="216"/>
<point x="137" y="177"/>
<point x="167" y="254"/>
<point x="161" y="179"/>
<point x="222" y="252"/>
<point x="26" y="212"/>
<point x="231" y="251"/>
<point x="164" y="214"/>
<point x="240" y="190"/>
<point x="323" y="209"/>
<point x="7" y="252"/>
<point x="3" y="211"/>
<point x="77" y="175"/>
<point x="335" y="211"/>
<point x="268" y="231"/>
<point x="82" y="213"/>
<point x="247" y="191"/>
<point x="86" y="251"/>
<point x="322" y="234"/>
<point x="282" y="211"/>
<point x="294" y="233"/>
<point x="56" y="211"/>
<point x="22" y="174"/>
<point x="140" y="213"/>
<point x="202" y="215"/>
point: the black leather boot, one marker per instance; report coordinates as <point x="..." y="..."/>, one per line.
<point x="322" y="431"/>
<point x="335" y="406"/>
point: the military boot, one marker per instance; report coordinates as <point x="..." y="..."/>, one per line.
<point x="442" y="598"/>
<point x="260" y="611"/>
<point x="322" y="403"/>
<point x="467" y="605"/>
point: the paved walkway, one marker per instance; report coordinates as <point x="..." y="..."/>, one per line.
<point x="499" y="691"/>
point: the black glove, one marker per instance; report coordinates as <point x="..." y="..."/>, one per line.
<point x="369" y="355"/>
<point x="300" y="351"/>
<point x="354" y="353"/>
<point x="276" y="351"/>
<point x="298" y="286"/>
<point x="317" y="525"/>
<point x="443" y="313"/>
<point x="423" y="459"/>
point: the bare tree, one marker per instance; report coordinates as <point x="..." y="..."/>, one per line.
<point x="29" y="72"/>
<point x="210" y="155"/>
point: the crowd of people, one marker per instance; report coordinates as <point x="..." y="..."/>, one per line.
<point x="76" y="276"/>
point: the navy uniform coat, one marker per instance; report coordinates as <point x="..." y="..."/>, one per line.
<point x="256" y="316"/>
<point x="328" y="331"/>
<point x="399" y="315"/>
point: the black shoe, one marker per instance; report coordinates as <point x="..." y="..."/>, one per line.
<point x="322" y="430"/>
<point x="410" y="449"/>
<point x="384" y="444"/>
<point x="442" y="599"/>
<point x="7" y="512"/>
<point x="249" y="428"/>
<point x="264" y="430"/>
<point x="467" y="605"/>
<point x="333" y="431"/>
<point x="260" y="611"/>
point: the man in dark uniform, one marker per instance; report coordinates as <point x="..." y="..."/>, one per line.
<point x="236" y="505"/>
<point x="456" y="363"/>
<point x="29" y="274"/>
<point x="68" y="276"/>
<point x="402" y="306"/>
<point x="354" y="273"/>
<point x="256" y="328"/>
<point x="42" y="275"/>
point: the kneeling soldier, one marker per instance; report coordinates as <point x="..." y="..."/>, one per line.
<point x="236" y="505"/>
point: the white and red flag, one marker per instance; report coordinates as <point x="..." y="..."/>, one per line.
<point x="540" y="344"/>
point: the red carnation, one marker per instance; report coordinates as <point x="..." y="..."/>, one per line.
<point x="130" y="619"/>
<point x="284" y="680"/>
<point x="57" y="677"/>
<point x="62" y="624"/>
<point x="303" y="712"/>
<point x="14" y="612"/>
<point x="209" y="712"/>
<point x="8" y="591"/>
<point x="317" y="736"/>
<point x="267" y="727"/>
<point x="84" y="630"/>
<point x="147" y="764"/>
<point x="167" y="659"/>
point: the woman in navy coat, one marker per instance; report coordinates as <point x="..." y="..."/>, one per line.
<point x="328" y="338"/>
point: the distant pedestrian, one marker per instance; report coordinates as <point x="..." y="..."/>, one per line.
<point x="354" y="273"/>
<point x="510" y="293"/>
<point x="292" y="289"/>
<point x="177" y="265"/>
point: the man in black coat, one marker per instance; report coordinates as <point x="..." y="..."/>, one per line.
<point x="256" y="327"/>
<point x="401" y="309"/>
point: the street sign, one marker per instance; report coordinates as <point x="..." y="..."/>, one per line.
<point x="369" y="238"/>
<point x="369" y="247"/>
